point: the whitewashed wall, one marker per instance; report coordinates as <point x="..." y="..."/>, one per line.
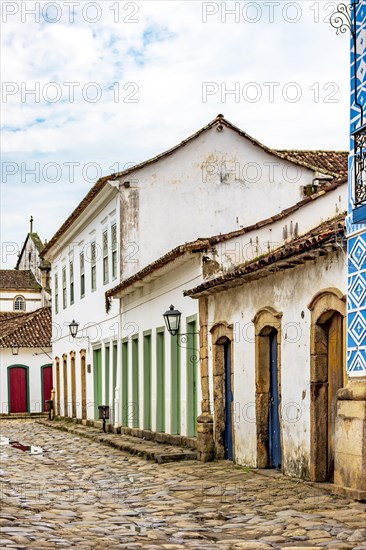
<point x="248" y="246"/>
<point x="33" y="300"/>
<point x="95" y="325"/>
<point x="143" y="309"/>
<point x="217" y="183"/>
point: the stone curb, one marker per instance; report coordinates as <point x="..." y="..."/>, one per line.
<point x="157" y="452"/>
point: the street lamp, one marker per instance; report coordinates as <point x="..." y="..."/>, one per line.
<point x="73" y="327"/>
<point x="14" y="348"/>
<point x="172" y="320"/>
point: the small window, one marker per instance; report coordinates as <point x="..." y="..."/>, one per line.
<point x="56" y="293"/>
<point x="19" y="303"/>
<point x="71" y="283"/>
<point x="114" y="251"/>
<point x="64" y="289"/>
<point x="82" y="276"/>
<point x="93" y="259"/>
<point x="105" y="257"/>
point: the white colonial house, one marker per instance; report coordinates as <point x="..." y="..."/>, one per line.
<point x="142" y="237"/>
<point x="284" y="271"/>
<point x="25" y="332"/>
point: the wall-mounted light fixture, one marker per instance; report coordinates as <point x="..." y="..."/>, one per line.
<point x="14" y="349"/>
<point x="172" y="320"/>
<point x="73" y="327"/>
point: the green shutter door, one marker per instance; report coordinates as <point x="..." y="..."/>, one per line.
<point x="160" y="381"/>
<point x="147" y="381"/>
<point x="192" y="363"/>
<point x="175" y="384"/>
<point x="124" y="383"/>
<point x="135" y="382"/>
<point x="97" y="364"/>
<point x="106" y="391"/>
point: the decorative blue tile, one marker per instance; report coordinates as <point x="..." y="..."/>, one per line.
<point x="356" y="232"/>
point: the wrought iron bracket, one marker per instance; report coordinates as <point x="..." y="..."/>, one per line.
<point x="342" y="19"/>
<point x="360" y="165"/>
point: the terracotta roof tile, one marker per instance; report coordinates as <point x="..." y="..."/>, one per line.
<point x="17" y="280"/>
<point x="27" y="330"/>
<point x="335" y="162"/>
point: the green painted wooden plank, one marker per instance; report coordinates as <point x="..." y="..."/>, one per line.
<point x="147" y="381"/>
<point x="175" y="384"/>
<point x="106" y="391"/>
<point x="97" y="365"/>
<point x="135" y="383"/>
<point x="114" y="373"/>
<point x="192" y="364"/>
<point x="124" y="383"/>
<point x="160" y="381"/>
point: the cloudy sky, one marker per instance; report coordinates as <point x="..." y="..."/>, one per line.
<point x="89" y="87"/>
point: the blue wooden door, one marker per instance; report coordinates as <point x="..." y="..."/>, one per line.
<point x="228" y="436"/>
<point x="275" y="457"/>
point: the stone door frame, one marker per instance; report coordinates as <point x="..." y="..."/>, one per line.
<point x="221" y="332"/>
<point x="265" y="320"/>
<point x="323" y="306"/>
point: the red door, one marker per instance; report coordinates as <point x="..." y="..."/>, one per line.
<point x="47" y="384"/>
<point x="18" y="390"/>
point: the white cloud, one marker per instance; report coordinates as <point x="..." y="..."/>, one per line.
<point x="163" y="60"/>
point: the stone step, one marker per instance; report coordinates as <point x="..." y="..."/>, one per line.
<point x="148" y="450"/>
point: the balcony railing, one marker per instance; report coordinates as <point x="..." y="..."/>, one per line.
<point x="360" y="166"/>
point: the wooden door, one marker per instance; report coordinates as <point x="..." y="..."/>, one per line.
<point x="66" y="389"/>
<point x="175" y="383"/>
<point x="228" y="434"/>
<point x="47" y="384"/>
<point x="18" y="389"/>
<point x="125" y="383"/>
<point x="135" y="409"/>
<point x="275" y="458"/>
<point x="97" y="364"/>
<point x="83" y="386"/>
<point x="58" y="388"/>
<point x="147" y="382"/>
<point x="160" y="381"/>
<point x="73" y="387"/>
<point x="192" y="364"/>
<point x="335" y="381"/>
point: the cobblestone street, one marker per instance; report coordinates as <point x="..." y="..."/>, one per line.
<point x="82" y="494"/>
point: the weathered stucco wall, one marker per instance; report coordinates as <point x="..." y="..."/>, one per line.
<point x="217" y="183"/>
<point x="289" y="293"/>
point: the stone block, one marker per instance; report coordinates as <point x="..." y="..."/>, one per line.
<point x="319" y="368"/>
<point x="204" y="428"/>
<point x="351" y="409"/>
<point x="350" y="444"/>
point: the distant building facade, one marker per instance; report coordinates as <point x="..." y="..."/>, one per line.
<point x="25" y="332"/>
